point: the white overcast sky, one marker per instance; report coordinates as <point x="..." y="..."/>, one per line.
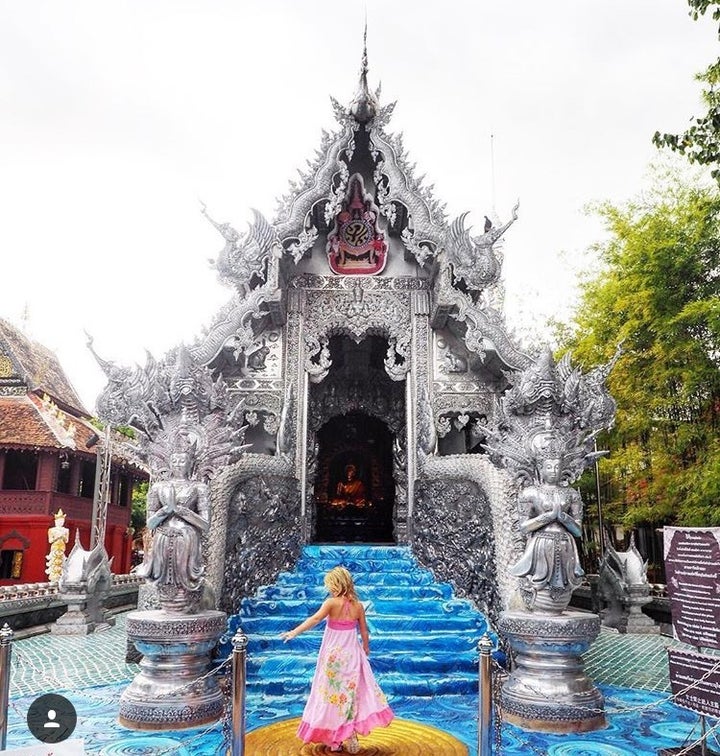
<point x="117" y="117"/>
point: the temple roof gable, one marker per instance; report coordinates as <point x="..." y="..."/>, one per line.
<point x="37" y="368"/>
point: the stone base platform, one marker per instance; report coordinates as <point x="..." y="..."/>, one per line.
<point x="171" y="691"/>
<point x="548" y="689"/>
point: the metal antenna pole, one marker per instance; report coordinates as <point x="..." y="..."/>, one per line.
<point x="601" y="526"/>
<point x="492" y="171"/>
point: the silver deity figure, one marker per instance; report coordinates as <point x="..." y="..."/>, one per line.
<point x="178" y="515"/>
<point x="551" y="516"/>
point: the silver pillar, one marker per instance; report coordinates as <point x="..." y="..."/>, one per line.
<point x="485" y="696"/>
<point x="411" y="432"/>
<point x="301" y="450"/>
<point x="6" y="636"/>
<point x="239" y="663"/>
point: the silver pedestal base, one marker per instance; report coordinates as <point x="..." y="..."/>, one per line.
<point x="167" y="694"/>
<point x="79" y="621"/>
<point x="548" y="689"/>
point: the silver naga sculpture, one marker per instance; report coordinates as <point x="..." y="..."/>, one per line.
<point x="624" y="586"/>
<point x="84" y="584"/>
<point x="547" y="423"/>
<point x="186" y="434"/>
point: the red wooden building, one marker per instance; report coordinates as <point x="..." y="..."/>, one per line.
<point x="48" y="455"/>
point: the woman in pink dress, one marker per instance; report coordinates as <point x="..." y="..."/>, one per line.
<point x="344" y="698"/>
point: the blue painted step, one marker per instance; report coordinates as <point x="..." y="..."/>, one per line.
<point x="423" y="641"/>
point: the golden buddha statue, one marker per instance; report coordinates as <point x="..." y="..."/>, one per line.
<point x="351" y="491"/>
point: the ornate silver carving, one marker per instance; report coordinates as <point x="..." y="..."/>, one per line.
<point x="188" y="435"/>
<point x="400" y="472"/>
<point x="395" y="178"/>
<point x="426" y="435"/>
<point x="129" y="397"/>
<point x="364" y="105"/>
<point x="494" y="486"/>
<point x="172" y="627"/>
<point x="285" y="435"/>
<point x="339" y="396"/>
<point x="624" y="586"/>
<point x="271" y="424"/>
<point x="311" y="281"/>
<point x="263" y="535"/>
<point x="305" y="241"/>
<point x="548" y="421"/>
<point x="261" y="402"/>
<point x="473" y="259"/>
<point x="443" y="426"/>
<point x="453" y="536"/>
<point x="314" y="186"/>
<point x="317" y="357"/>
<point x="222" y="489"/>
<point x="547" y="689"/>
<point x="245" y="256"/>
<point x="357" y="314"/>
<point x="396" y="361"/>
<point x="174" y="652"/>
<point x="233" y="325"/>
<point x="483" y="323"/>
<point x="85" y="583"/>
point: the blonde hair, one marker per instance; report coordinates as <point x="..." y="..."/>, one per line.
<point x="339" y="580"/>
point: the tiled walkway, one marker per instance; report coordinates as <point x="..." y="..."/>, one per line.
<point x="631" y="661"/>
<point x="92" y="672"/>
<point x="50" y="662"/>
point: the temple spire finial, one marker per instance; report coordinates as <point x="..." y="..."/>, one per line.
<point x="364" y="106"/>
<point x="364" y="69"/>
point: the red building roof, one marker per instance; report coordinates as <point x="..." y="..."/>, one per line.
<point x="28" y="421"/>
<point x="25" y="362"/>
<point x="39" y="409"/>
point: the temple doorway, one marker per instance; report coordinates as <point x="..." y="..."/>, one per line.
<point x="354" y="488"/>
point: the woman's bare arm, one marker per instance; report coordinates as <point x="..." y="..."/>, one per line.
<point x="319" y="615"/>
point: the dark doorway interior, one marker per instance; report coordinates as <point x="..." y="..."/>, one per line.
<point x="354" y="487"/>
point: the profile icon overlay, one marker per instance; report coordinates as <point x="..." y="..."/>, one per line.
<point x="51" y="718"/>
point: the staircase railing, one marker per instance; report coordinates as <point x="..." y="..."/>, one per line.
<point x="239" y="676"/>
<point x="485" y="647"/>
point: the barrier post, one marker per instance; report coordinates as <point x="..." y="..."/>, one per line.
<point x="239" y="664"/>
<point x="485" y="647"/>
<point x="6" y="636"/>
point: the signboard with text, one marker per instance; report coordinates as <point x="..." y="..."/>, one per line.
<point x="695" y="681"/>
<point x="692" y="568"/>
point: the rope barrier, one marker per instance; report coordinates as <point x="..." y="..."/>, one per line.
<point x="690" y="748"/>
<point x="670" y="698"/>
<point x="48" y="679"/>
<point x="499" y="672"/>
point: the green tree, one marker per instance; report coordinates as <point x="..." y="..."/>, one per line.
<point x="657" y="291"/>
<point x="700" y="143"/>
<point x="138" y="513"/>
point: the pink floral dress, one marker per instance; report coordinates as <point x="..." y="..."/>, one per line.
<point x="344" y="697"/>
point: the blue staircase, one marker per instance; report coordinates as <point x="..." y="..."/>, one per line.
<point x="423" y="641"/>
